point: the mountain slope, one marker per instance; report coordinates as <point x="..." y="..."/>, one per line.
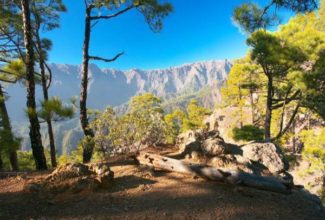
<point x="175" y="85"/>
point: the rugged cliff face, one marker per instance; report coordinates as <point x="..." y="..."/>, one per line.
<point x="175" y="85"/>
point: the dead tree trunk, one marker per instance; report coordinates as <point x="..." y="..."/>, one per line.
<point x="232" y="177"/>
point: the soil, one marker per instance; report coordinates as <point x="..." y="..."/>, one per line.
<point x="140" y="193"/>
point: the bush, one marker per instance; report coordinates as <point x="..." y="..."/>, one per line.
<point x="248" y="133"/>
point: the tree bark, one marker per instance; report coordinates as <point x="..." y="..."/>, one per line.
<point x="232" y="177"/>
<point x="1" y="162"/>
<point x="46" y="97"/>
<point x="284" y="130"/>
<point x="34" y="133"/>
<point x="87" y="152"/>
<point x="241" y="107"/>
<point x="268" y="112"/>
<point x="8" y="129"/>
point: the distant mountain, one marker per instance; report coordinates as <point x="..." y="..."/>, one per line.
<point x="175" y="85"/>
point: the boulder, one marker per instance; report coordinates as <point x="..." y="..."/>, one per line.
<point x="267" y="154"/>
<point x="189" y="141"/>
<point x="211" y="122"/>
<point x="104" y="176"/>
<point x="214" y="146"/>
<point x="237" y="162"/>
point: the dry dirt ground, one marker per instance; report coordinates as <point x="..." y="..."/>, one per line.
<point x="139" y="193"/>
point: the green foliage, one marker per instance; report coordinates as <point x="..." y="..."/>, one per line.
<point x="321" y="14"/>
<point x="7" y="142"/>
<point x="274" y="55"/>
<point x="153" y="11"/>
<point x="248" y="133"/>
<point x="54" y="109"/>
<point x="251" y="17"/>
<point x="174" y="123"/>
<point x="241" y="90"/>
<point x="314" y="89"/>
<point x="314" y="141"/>
<point x="195" y="116"/>
<point x="25" y="160"/>
<point x="314" y="152"/>
<point x="143" y="124"/>
<point x="47" y="13"/>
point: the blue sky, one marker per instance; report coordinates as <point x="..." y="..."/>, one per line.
<point x="195" y="31"/>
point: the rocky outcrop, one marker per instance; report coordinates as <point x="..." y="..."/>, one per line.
<point x="267" y="154"/>
<point x="188" y="142"/>
<point x="207" y="147"/>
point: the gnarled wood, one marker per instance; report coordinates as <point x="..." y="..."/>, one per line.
<point x="232" y="177"/>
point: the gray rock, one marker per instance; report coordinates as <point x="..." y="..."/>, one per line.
<point x="267" y="154"/>
<point x="32" y="188"/>
<point x="214" y="146"/>
<point x="211" y="122"/>
<point x="188" y="142"/>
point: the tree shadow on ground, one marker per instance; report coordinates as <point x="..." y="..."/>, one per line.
<point x="170" y="196"/>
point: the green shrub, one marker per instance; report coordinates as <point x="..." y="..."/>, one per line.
<point x="248" y="133"/>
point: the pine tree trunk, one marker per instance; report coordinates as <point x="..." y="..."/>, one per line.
<point x="251" y="97"/>
<point x="87" y="152"/>
<point x="252" y="106"/>
<point x="8" y="129"/>
<point x="35" y="135"/>
<point x="268" y="112"/>
<point x="1" y="162"/>
<point x="46" y="98"/>
<point x="241" y="108"/>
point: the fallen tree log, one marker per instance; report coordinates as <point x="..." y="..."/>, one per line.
<point x="232" y="177"/>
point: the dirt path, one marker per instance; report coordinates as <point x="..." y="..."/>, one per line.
<point x="140" y="194"/>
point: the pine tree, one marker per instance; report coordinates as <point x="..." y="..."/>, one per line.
<point x="46" y="16"/>
<point x="153" y="12"/>
<point x="35" y="135"/>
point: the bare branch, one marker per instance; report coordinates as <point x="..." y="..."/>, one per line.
<point x="293" y="116"/>
<point x="113" y="15"/>
<point x="106" y="60"/>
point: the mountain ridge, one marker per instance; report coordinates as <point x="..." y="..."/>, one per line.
<point x="111" y="87"/>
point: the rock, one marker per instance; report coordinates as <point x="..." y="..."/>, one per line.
<point x="69" y="171"/>
<point x="195" y="155"/>
<point x="230" y="162"/>
<point x="211" y="122"/>
<point x="214" y="146"/>
<point x="287" y="179"/>
<point x="106" y="179"/>
<point x="32" y="188"/>
<point x="267" y="154"/>
<point x="188" y="142"/>
<point x="77" y="178"/>
<point x="85" y="184"/>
